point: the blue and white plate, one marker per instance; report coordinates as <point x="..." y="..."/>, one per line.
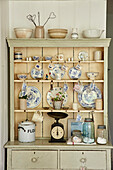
<point x="52" y="93"/>
<point x="34" y="97"/>
<point x="56" y="70"/>
<point x="88" y="96"/>
<point x="74" y="73"/>
<point x="36" y="74"/>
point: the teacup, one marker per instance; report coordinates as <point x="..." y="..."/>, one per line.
<point x="78" y="88"/>
<point x="37" y="66"/>
<point x="36" y="58"/>
<point x="65" y="87"/>
<point x="48" y="58"/>
<point x="59" y="57"/>
<point x="37" y="117"/>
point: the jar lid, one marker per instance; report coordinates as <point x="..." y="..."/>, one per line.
<point x="101" y="126"/>
<point x="76" y="131"/>
<point x="88" y="120"/>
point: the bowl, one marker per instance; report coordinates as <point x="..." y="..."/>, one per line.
<point x="48" y="58"/>
<point x="92" y="33"/>
<point x="92" y="75"/>
<point x="57" y="33"/>
<point x="22" y="76"/>
<point x="23" y="32"/>
<point x="36" y="58"/>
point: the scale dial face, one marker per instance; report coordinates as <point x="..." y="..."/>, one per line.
<point x="57" y="132"/>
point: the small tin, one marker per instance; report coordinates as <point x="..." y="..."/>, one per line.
<point x="18" y="55"/>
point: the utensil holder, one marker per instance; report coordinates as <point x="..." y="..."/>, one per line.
<point x="39" y="32"/>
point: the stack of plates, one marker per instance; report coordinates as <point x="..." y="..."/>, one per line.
<point x="57" y="33"/>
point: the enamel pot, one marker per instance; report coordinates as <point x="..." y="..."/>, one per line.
<point x="26" y="131"/>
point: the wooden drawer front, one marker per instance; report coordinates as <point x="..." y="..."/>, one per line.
<point x="32" y="159"/>
<point x="72" y="159"/>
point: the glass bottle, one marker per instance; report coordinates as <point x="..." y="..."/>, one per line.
<point x="76" y="136"/>
<point x="102" y="136"/>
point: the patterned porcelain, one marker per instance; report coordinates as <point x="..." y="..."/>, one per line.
<point x="37" y="74"/>
<point x="34" y="97"/>
<point x="52" y="93"/>
<point x="56" y="70"/>
<point x="48" y="58"/>
<point x="83" y="56"/>
<point x="88" y="96"/>
<point x="36" y="58"/>
<point x="75" y="73"/>
<point x="22" y="76"/>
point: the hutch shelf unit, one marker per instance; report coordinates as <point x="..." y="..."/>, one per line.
<point x="41" y="154"/>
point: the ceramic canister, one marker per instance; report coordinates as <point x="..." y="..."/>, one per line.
<point x="98" y="55"/>
<point x="18" y="55"/>
<point x="98" y="104"/>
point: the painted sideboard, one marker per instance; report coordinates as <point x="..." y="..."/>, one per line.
<point x="41" y="154"/>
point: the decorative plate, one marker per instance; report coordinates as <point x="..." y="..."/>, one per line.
<point x="74" y="73"/>
<point x="56" y="69"/>
<point x="83" y="56"/>
<point x="88" y="96"/>
<point x="34" y="97"/>
<point x="52" y="93"/>
<point x="35" y="74"/>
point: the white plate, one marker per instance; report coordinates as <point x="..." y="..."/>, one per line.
<point x="87" y="99"/>
<point x="83" y="56"/>
<point x="52" y="93"/>
<point x="35" y="74"/>
<point x="33" y="95"/>
<point x="56" y="69"/>
<point x="74" y="73"/>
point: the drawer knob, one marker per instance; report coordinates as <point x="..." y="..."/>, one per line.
<point x="34" y="159"/>
<point x="83" y="160"/>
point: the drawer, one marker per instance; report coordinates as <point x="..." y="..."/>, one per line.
<point x="34" y="159"/>
<point x="94" y="160"/>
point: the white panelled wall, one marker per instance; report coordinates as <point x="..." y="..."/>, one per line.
<point x="81" y="14"/>
<point x="4" y="29"/>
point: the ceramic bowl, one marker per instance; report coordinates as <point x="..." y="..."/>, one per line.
<point x="22" y="76"/>
<point x="23" y="32"/>
<point x="36" y="58"/>
<point x="92" y="33"/>
<point x="57" y="33"/>
<point x="48" y="58"/>
<point x="92" y="75"/>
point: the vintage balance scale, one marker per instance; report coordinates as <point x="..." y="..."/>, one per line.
<point x="57" y="129"/>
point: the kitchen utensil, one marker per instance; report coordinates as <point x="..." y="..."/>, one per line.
<point x="57" y="129"/>
<point x="57" y="33"/>
<point x="39" y="18"/>
<point x="52" y="93"/>
<point x="33" y="96"/>
<point x="23" y="32"/>
<point x="92" y="33"/>
<point x="32" y="18"/>
<point x="88" y="131"/>
<point x="51" y="16"/>
<point x="26" y="131"/>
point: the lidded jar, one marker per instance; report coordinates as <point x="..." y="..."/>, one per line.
<point x="88" y="131"/>
<point x="77" y="136"/>
<point x="102" y="135"/>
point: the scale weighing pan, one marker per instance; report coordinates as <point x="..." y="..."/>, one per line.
<point x="57" y="115"/>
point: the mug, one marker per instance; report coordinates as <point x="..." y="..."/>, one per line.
<point x="98" y="55"/>
<point x="59" y="57"/>
<point x="37" y="117"/>
<point x="78" y="88"/>
<point x="37" y="66"/>
<point x="75" y="106"/>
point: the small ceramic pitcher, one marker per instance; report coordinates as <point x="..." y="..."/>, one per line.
<point x="37" y="117"/>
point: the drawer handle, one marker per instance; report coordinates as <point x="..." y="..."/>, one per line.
<point x="34" y="160"/>
<point x="83" y="160"/>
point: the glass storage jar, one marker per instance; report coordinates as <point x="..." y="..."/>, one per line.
<point x="102" y="136"/>
<point x="76" y="136"/>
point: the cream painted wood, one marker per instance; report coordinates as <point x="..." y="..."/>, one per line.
<point x="34" y="159"/>
<point x="93" y="159"/>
